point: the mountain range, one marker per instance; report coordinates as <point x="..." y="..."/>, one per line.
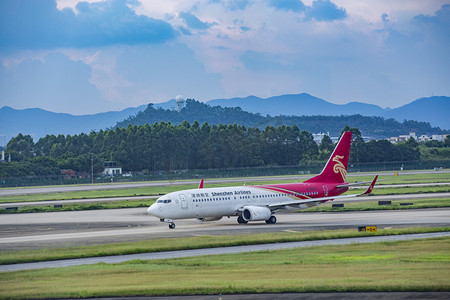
<point x="298" y="105"/>
<point x="434" y="110"/>
<point x="372" y="127"/>
<point x="38" y="123"/>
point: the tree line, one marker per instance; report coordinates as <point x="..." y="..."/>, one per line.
<point x="165" y="146"/>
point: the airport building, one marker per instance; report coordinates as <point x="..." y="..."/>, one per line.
<point x="111" y="168"/>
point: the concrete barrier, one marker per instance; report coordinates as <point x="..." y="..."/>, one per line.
<point x="384" y="202"/>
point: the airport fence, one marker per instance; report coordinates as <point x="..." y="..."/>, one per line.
<point x="302" y="169"/>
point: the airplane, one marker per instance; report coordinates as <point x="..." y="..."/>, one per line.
<point x="260" y="202"/>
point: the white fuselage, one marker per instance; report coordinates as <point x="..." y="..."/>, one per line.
<point x="216" y="202"/>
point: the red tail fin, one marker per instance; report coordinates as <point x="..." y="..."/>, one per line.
<point x="336" y="168"/>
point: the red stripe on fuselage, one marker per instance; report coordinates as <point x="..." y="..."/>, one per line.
<point x="301" y="190"/>
<point x="294" y="194"/>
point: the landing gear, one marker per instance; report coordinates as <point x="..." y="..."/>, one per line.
<point x="170" y="221"/>
<point x="271" y="220"/>
<point x="241" y="220"/>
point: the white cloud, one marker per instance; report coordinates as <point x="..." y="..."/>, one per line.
<point x="52" y="82"/>
<point x="250" y="47"/>
<point x="136" y="75"/>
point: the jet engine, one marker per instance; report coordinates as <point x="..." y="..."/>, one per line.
<point x="209" y="219"/>
<point x="256" y="213"/>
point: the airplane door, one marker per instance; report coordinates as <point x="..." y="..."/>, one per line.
<point x="325" y="191"/>
<point x="184" y="203"/>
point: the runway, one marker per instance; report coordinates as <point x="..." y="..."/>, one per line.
<point x="43" y="230"/>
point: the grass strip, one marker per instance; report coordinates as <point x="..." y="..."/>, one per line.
<point x="403" y="190"/>
<point x="402" y="178"/>
<point x="198" y="242"/>
<point x="81" y="206"/>
<point x="418" y="265"/>
<point x="125" y="192"/>
<point x="373" y="205"/>
<point x="170" y="187"/>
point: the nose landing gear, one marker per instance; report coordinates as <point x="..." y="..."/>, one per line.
<point x="170" y="221"/>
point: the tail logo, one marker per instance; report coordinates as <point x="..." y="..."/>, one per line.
<point x="339" y="166"/>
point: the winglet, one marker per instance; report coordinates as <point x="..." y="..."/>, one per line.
<point x="370" y="188"/>
<point x="200" y="186"/>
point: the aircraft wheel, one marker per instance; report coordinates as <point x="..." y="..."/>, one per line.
<point x="271" y="220"/>
<point x="241" y="220"/>
<point x="172" y="225"/>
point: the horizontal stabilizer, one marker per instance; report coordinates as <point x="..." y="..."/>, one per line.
<point x="356" y="183"/>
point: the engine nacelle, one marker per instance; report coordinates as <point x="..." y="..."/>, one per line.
<point x="256" y="213"/>
<point x="209" y="219"/>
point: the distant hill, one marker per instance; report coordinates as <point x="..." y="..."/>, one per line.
<point x="38" y="122"/>
<point x="195" y="111"/>
<point x="434" y="110"/>
<point x="297" y="105"/>
<point x="374" y="127"/>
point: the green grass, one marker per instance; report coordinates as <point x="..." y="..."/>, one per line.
<point x="198" y="242"/>
<point x="420" y="265"/>
<point x="126" y="192"/>
<point x="170" y="187"/>
<point x="81" y="206"/>
<point x="403" y="178"/>
<point x="403" y="190"/>
<point x="373" y="205"/>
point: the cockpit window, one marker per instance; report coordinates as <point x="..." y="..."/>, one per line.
<point x="164" y="201"/>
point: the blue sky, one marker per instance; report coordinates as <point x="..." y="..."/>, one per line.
<point x="88" y="57"/>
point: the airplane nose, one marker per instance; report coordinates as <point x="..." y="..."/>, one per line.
<point x="152" y="209"/>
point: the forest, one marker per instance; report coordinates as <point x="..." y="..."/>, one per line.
<point x="165" y="146"/>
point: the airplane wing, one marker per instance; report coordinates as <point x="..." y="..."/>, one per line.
<point x="295" y="203"/>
